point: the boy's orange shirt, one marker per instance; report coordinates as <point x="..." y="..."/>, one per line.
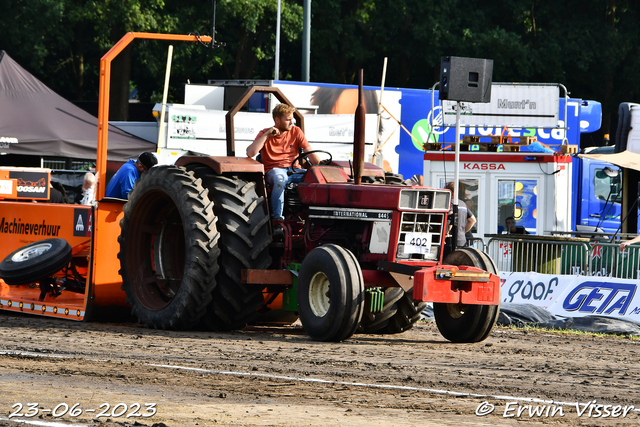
<point x="279" y="151"/>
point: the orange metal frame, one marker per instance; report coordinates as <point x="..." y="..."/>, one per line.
<point x="105" y="84"/>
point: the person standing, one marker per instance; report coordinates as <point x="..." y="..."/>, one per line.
<point x="123" y="181"/>
<point x="88" y="189"/>
<point x="278" y="146"/>
<point x="466" y="220"/>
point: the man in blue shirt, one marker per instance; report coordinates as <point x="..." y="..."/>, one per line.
<point x="123" y="181"/>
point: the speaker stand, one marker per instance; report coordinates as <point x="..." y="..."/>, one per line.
<point x="456" y="180"/>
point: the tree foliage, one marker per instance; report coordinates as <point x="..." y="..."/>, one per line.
<point x="590" y="46"/>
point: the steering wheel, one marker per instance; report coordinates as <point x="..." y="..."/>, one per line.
<point x="304" y="156"/>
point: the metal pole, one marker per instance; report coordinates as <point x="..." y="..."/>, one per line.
<point x="277" y="70"/>
<point x="162" y="143"/>
<point x="213" y="25"/>
<point x="358" y="133"/>
<point x="456" y="180"/>
<point x="306" y="40"/>
<point x="456" y="177"/>
<point x="377" y="156"/>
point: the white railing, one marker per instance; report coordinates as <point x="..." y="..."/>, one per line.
<point x="568" y="256"/>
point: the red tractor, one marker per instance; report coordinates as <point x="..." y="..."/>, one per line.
<point x="197" y="249"/>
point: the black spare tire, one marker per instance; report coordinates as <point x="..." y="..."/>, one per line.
<point x="35" y="261"/>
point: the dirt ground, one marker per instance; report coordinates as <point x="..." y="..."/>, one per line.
<point x="277" y="376"/>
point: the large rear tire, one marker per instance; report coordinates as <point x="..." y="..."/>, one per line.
<point x="35" y="261"/>
<point x="168" y="249"/>
<point x="330" y="293"/>
<point x="244" y="243"/>
<point x="462" y="323"/>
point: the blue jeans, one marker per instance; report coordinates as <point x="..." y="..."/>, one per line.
<point x="278" y="179"/>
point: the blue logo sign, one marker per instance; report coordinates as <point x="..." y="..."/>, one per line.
<point x="599" y="297"/>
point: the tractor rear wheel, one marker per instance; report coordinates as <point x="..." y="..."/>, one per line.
<point x="244" y="243"/>
<point x="168" y="249"/>
<point x="330" y="293"/>
<point x="463" y="323"/>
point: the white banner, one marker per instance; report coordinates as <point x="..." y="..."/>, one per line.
<point x="203" y="131"/>
<point x="518" y="106"/>
<point x="573" y="296"/>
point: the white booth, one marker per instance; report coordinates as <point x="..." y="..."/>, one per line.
<point x="533" y="188"/>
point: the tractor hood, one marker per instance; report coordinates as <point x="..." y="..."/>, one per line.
<point x="375" y="196"/>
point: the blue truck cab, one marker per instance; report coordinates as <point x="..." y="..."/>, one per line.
<point x="597" y="185"/>
<point x="597" y="192"/>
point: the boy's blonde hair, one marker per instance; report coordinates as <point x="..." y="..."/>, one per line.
<point x="283" y="110"/>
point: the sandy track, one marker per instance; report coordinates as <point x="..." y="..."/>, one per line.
<point x="278" y="376"/>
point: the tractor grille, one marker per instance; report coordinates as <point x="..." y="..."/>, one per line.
<point x="426" y="229"/>
<point x="425" y="200"/>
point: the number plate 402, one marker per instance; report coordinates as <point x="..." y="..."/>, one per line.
<point x="417" y="243"/>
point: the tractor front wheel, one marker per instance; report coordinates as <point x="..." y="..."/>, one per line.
<point x="408" y="314"/>
<point x="330" y="293"/>
<point x="376" y="322"/>
<point x="463" y="323"/>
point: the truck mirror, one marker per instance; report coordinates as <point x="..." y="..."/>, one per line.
<point x="610" y="172"/>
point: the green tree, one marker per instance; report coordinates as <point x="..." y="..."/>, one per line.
<point x="590" y="46"/>
<point x="340" y="33"/>
<point x="61" y="41"/>
<point x="247" y="30"/>
<point x="595" y="53"/>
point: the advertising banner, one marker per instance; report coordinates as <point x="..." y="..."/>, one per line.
<point x="20" y="184"/>
<point x="413" y="117"/>
<point x="517" y="106"/>
<point x="573" y="296"/>
<point x="204" y="131"/>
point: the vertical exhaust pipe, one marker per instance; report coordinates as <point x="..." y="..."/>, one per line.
<point x="358" y="134"/>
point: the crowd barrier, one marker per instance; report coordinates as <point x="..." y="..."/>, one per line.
<point x="558" y="255"/>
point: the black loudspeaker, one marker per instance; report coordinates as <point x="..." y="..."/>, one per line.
<point x="465" y="79"/>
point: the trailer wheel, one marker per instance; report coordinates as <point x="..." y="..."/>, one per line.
<point x="408" y="314"/>
<point x="244" y="244"/>
<point x="330" y="293"/>
<point x="168" y="249"/>
<point x="467" y="323"/>
<point x="35" y="261"/>
<point x="373" y="322"/>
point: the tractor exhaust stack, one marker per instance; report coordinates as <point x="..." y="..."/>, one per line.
<point x="358" y="134"/>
